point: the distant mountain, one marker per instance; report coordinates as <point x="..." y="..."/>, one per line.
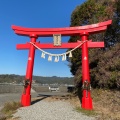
<point x="53" y="79"/>
<point x="12" y="78"/>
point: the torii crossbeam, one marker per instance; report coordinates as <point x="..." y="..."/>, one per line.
<point x="82" y="31"/>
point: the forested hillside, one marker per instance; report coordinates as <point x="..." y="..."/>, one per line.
<point x="53" y="79"/>
<point x="104" y="63"/>
<point x="38" y="79"/>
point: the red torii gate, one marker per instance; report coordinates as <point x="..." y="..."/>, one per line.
<point x="82" y="31"/>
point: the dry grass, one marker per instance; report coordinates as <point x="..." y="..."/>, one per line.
<point x="8" y="109"/>
<point x="107" y="104"/>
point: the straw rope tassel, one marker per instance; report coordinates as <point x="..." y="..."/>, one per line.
<point x="49" y="58"/>
<point x="56" y="60"/>
<point x="43" y="55"/>
<point x="70" y="54"/>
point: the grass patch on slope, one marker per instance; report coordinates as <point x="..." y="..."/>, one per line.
<point x="9" y="109"/>
<point x="86" y="112"/>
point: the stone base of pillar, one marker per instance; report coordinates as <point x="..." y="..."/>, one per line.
<point x="87" y="103"/>
<point x="25" y="100"/>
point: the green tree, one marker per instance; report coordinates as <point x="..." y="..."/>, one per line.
<point x="112" y="35"/>
<point x="90" y="12"/>
<point x="106" y="68"/>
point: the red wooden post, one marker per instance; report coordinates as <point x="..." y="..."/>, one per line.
<point x="86" y="99"/>
<point x="26" y="96"/>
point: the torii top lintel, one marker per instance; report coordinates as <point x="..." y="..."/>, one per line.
<point x="67" y="31"/>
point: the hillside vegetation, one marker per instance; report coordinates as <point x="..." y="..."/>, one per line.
<point x="104" y="62"/>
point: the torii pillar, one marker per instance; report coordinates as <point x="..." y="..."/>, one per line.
<point x="26" y="96"/>
<point x="86" y="99"/>
<point x="82" y="31"/>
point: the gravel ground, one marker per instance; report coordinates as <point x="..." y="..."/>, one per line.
<point x="46" y="110"/>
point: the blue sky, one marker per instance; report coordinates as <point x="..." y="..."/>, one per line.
<point x="35" y="14"/>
